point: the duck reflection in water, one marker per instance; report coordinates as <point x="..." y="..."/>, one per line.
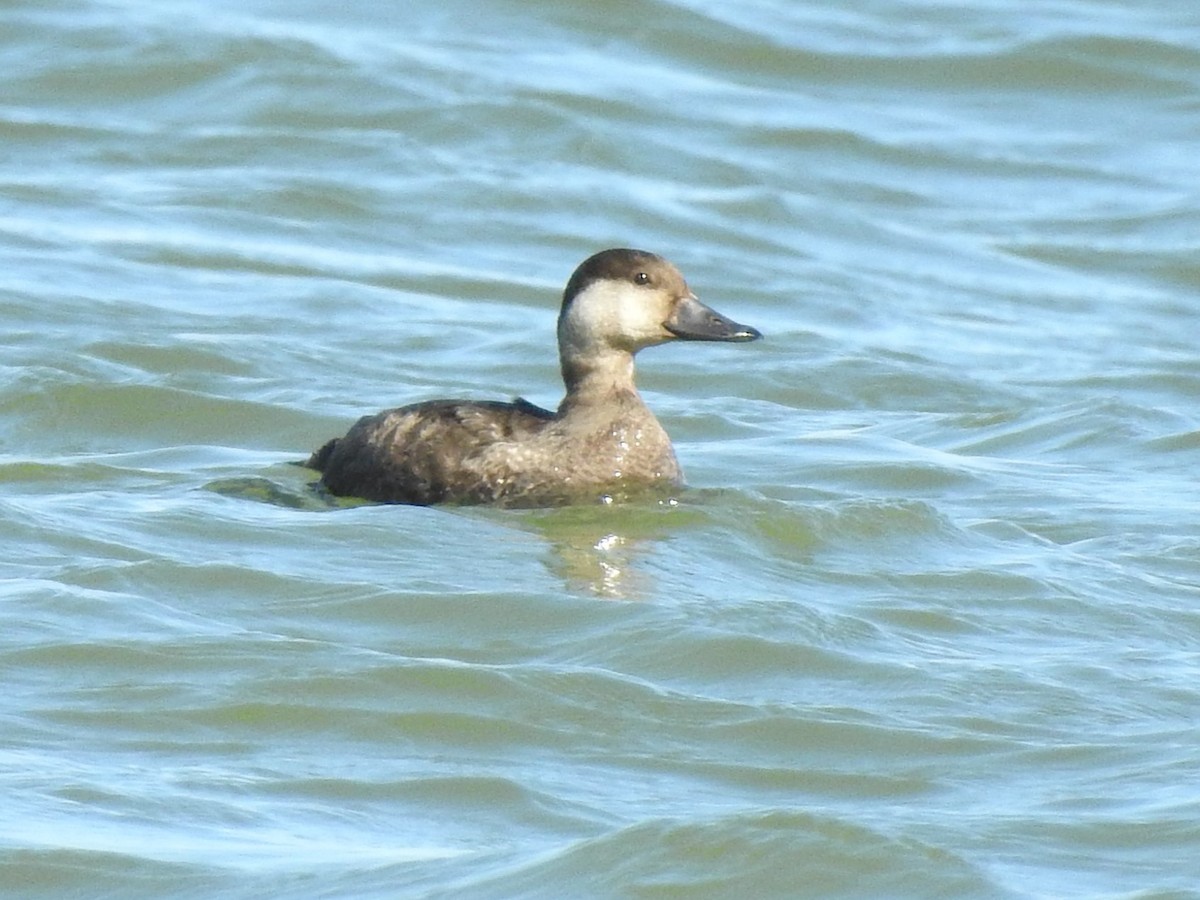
<point x="597" y="550"/>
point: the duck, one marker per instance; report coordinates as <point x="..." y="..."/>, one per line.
<point x="602" y="444"/>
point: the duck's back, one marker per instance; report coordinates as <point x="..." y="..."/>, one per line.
<point x="422" y="454"/>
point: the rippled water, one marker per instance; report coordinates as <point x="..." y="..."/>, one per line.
<point x="928" y="622"/>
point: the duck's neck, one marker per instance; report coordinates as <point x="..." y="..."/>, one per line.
<point x="603" y="379"/>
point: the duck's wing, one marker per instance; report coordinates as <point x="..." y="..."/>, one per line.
<point x="415" y="454"/>
<point x="521" y="405"/>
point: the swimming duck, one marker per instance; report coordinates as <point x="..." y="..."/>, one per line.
<point x="601" y="443"/>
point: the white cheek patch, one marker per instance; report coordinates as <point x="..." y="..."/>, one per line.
<point x="595" y="313"/>
<point x="613" y="312"/>
<point x="640" y="319"/>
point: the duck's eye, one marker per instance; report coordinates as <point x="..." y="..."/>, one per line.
<point x="641" y="278"/>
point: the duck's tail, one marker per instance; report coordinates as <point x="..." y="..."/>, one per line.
<point x="320" y="459"/>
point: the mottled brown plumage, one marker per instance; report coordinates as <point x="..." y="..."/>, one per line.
<point x="602" y="442"/>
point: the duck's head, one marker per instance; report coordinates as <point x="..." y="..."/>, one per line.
<point x="623" y="300"/>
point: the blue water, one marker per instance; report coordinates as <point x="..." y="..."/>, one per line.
<point x="927" y="622"/>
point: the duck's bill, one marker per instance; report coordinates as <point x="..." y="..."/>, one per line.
<point x="693" y="321"/>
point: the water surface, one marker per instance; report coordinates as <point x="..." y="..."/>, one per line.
<point x="927" y="622"/>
